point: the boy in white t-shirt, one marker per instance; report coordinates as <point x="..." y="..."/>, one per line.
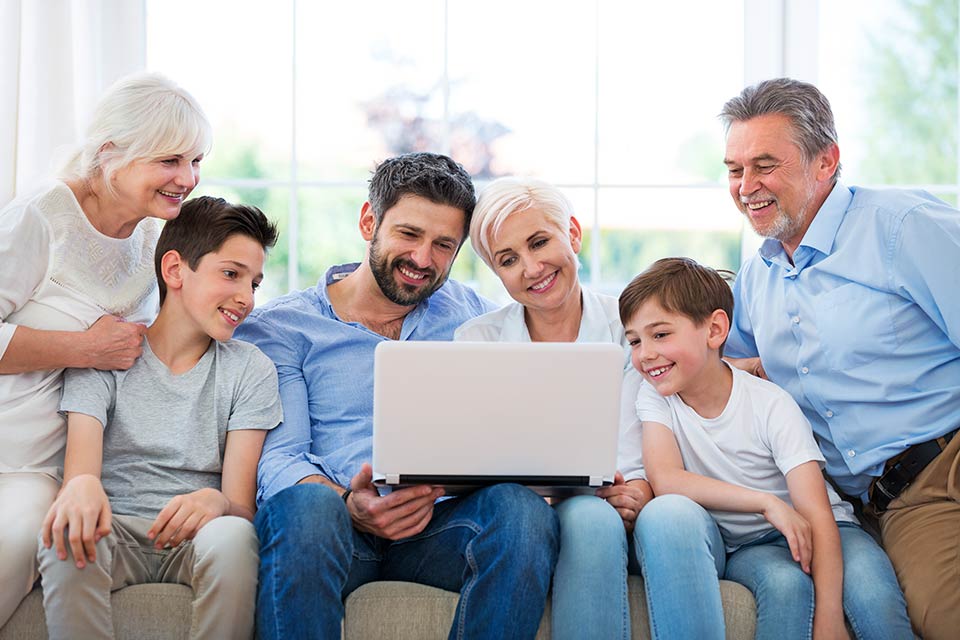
<point x="740" y="495"/>
<point x="159" y="478"/>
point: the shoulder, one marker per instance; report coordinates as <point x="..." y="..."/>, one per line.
<point x="28" y="216"/>
<point x="893" y="206"/>
<point x="287" y="314"/>
<point x="489" y="326"/>
<point x="458" y="299"/>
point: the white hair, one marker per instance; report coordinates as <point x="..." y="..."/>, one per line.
<point x="143" y="116"/>
<point x="506" y="196"/>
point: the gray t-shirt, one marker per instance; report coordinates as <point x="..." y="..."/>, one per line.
<point x="164" y="434"/>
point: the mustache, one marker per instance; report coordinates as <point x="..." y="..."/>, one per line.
<point x="410" y="266"/>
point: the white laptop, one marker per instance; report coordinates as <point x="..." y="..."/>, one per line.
<point x="466" y="414"/>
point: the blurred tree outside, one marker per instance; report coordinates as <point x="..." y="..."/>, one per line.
<point x="911" y="95"/>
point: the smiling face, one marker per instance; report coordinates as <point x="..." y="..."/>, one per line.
<point x="218" y="295"/>
<point x="412" y="250"/>
<point x="156" y="188"/>
<point x="537" y="261"/>
<point x="771" y="183"/>
<point x="672" y="352"/>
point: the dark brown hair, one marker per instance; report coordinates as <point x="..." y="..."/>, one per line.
<point x="202" y="227"/>
<point x="679" y="285"/>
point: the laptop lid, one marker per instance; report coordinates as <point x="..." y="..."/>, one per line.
<point x="462" y="414"/>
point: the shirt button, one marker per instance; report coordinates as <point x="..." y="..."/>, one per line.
<point x="851" y="453"/>
<point x="804" y="370"/>
<point x="829" y="414"/>
<point x="796" y="319"/>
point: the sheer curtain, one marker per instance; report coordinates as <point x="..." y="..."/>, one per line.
<point x="56" y="58"/>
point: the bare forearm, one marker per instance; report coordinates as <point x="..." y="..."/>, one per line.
<point x="827" y="565"/>
<point x="39" y="350"/>
<point x="708" y="492"/>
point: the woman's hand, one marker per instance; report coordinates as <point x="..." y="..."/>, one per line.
<point x="628" y="498"/>
<point x="113" y="343"/>
<point x="81" y="508"/>
<point x="185" y="514"/>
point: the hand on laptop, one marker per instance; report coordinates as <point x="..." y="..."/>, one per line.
<point x="627" y="498"/>
<point x="400" y="514"/>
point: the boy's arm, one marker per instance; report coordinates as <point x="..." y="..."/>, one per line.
<point x="809" y="495"/>
<point x="239" y="480"/>
<point x="81" y="506"/>
<point x="666" y="474"/>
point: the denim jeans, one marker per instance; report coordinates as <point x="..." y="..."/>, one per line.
<point x="590" y="583"/>
<point x="497" y="546"/>
<point x="682" y="556"/>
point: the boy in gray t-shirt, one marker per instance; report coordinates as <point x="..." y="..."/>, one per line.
<point x="160" y="472"/>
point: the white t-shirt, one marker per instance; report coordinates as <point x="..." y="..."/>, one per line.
<point x="760" y="436"/>
<point x="599" y="322"/>
<point x="57" y="272"/>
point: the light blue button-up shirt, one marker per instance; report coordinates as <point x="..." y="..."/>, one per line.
<point x="863" y="329"/>
<point x="325" y="368"/>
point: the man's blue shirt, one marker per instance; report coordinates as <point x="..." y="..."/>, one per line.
<point x="863" y="329"/>
<point x="325" y="367"/>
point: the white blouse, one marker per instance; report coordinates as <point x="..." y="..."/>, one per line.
<point x="57" y="272"/>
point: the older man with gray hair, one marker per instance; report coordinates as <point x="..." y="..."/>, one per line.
<point x="852" y="305"/>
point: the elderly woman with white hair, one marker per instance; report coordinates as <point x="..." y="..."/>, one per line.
<point x="77" y="286"/>
<point x="524" y="230"/>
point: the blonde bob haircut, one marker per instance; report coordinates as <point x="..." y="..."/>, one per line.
<point x="143" y="116"/>
<point x="505" y="197"/>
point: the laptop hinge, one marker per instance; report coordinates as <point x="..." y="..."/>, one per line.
<point x="596" y="481"/>
<point x="392" y="478"/>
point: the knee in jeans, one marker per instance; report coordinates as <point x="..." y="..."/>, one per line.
<point x="310" y="511"/>
<point x="668" y="515"/>
<point x="591" y="518"/>
<point x="521" y="512"/>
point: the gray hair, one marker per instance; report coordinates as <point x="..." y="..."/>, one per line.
<point x="506" y="196"/>
<point x="808" y="110"/>
<point x="143" y="116"/>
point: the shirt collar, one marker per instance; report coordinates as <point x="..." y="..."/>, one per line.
<point x="338" y="272"/>
<point x="821" y="233"/>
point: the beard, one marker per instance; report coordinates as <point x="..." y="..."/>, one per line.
<point x="402" y="294"/>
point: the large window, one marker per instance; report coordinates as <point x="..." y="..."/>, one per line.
<point x="613" y="100"/>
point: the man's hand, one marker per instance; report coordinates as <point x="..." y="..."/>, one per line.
<point x="400" y="514"/>
<point x="82" y="508"/>
<point x="185" y="514"/>
<point x="752" y="366"/>
<point x="628" y="498"/>
<point x="794" y="527"/>
<point x="114" y="343"/>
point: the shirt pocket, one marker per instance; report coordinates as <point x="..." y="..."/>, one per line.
<point x="856" y="325"/>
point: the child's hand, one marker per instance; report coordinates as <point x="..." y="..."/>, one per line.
<point x="83" y="509"/>
<point x="185" y="514"/>
<point x="795" y="529"/>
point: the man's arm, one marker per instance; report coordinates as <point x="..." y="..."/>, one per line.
<point x="809" y="496"/>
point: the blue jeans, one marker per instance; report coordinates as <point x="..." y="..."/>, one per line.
<point x="682" y="556"/>
<point x="590" y="583"/>
<point x="496" y="546"/>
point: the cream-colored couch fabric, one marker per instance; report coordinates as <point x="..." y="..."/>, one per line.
<point x="387" y="610"/>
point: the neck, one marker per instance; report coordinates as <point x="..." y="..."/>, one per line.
<point x="561" y="324"/>
<point x="358" y="298"/>
<point x="709" y="393"/>
<point x="103" y="210"/>
<point x="179" y="348"/>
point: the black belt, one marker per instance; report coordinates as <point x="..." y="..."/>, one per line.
<point x="904" y="468"/>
